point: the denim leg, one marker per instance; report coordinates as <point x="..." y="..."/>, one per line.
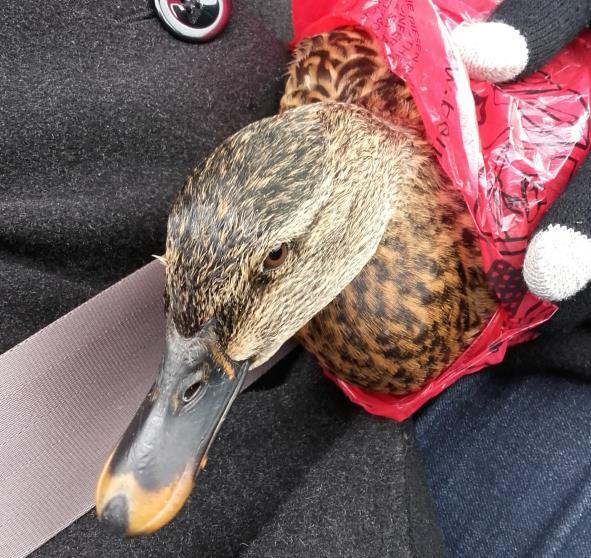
<point x="508" y="458"/>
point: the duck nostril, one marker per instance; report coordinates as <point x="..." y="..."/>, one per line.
<point x="192" y="391"/>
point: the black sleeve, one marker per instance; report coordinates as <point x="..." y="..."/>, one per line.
<point x="573" y="210"/>
<point x="547" y="25"/>
<point x="573" y="207"/>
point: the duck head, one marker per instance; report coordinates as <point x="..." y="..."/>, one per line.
<point x="266" y="232"/>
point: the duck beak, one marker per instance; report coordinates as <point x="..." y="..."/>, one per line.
<point x="149" y="476"/>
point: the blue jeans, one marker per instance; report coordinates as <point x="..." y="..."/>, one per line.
<point x="508" y="456"/>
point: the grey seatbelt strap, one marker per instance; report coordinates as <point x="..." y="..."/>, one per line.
<point x="67" y="393"/>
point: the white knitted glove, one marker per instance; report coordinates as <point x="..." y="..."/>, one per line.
<point x="557" y="263"/>
<point x="491" y="50"/>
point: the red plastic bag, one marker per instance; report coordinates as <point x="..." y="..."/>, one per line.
<point x="510" y="149"/>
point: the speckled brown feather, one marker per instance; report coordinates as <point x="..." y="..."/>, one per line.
<point x="423" y="297"/>
<point x="346" y="66"/>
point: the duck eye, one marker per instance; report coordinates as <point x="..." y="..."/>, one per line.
<point x="275" y="257"/>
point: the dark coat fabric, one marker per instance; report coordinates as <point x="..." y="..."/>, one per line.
<point x="103" y="114"/>
<point x="297" y="471"/>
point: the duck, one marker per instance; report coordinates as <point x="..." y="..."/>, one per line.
<point x="331" y="221"/>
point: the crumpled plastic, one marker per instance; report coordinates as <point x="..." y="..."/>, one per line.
<point x="510" y="149"/>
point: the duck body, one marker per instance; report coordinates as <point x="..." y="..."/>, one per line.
<point x="423" y="296"/>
